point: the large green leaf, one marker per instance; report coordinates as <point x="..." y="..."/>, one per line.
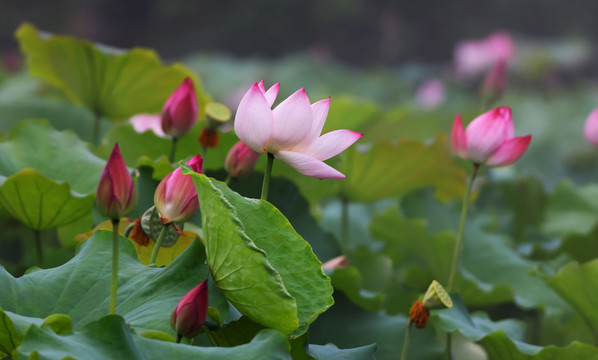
<point x="258" y="260"/>
<point x="33" y="143"/>
<point x="112" y="84"/>
<point x="41" y="203"/>
<point x="80" y="288"/>
<point x="38" y="183"/>
<point x="578" y="285"/>
<point x="10" y="338"/>
<point x="110" y="338"/>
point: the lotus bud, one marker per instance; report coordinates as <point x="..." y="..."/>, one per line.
<point x="180" y="110"/>
<point x="190" y="314"/>
<point x="240" y="160"/>
<point x="175" y="197"/>
<point x="495" y="82"/>
<point x="116" y="195"/>
<point x="590" y="130"/>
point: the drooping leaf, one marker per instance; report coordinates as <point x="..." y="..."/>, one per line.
<point x="80" y="288"/>
<point x="41" y="203"/>
<point x="111" y="338"/>
<point x="280" y="283"/>
<point x="113" y="84"/>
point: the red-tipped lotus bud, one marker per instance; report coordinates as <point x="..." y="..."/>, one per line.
<point x="180" y="110"/>
<point x="489" y="139"/>
<point x="190" y="313"/>
<point x="209" y="138"/>
<point x="175" y="197"/>
<point x="240" y="160"/>
<point x="495" y="82"/>
<point x="116" y="195"/>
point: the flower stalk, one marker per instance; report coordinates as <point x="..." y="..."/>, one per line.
<point x="267" y="174"/>
<point x="158" y="244"/>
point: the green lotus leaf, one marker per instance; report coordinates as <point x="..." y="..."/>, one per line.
<point x="113" y="84"/>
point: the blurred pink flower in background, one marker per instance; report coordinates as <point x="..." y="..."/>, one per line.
<point x="590" y="130"/>
<point x="489" y="139"/>
<point x="475" y="56"/>
<point x="430" y="94"/>
<point x="495" y="82"/>
<point x="144" y="122"/>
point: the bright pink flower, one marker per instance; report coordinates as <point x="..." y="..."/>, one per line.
<point x="489" y="139"/>
<point x="430" y="94"/>
<point x="475" y="56"/>
<point x="495" y="81"/>
<point x="240" y="160"/>
<point x="590" y="130"/>
<point x="180" y="110"/>
<point x="116" y="195"/>
<point x="291" y="131"/>
<point x="190" y="313"/>
<point x="175" y="197"/>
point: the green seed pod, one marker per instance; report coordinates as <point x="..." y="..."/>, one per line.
<point x="436" y="297"/>
<point x="151" y="224"/>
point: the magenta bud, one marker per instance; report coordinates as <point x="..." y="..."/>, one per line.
<point x="180" y="110"/>
<point x="240" y="160"/>
<point x="188" y="316"/>
<point x="116" y="195"/>
<point x="175" y="197"/>
<point x="489" y="139"/>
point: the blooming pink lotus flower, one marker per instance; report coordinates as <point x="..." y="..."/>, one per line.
<point x="489" y="139"/>
<point x="190" y="313"/>
<point x="116" y="195"/>
<point x="475" y="56"/>
<point x="291" y="131"/>
<point x="180" y="110"/>
<point x="175" y="197"/>
<point x="590" y="130"/>
<point x="240" y="160"/>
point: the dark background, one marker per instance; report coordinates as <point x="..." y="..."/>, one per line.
<point x="356" y="32"/>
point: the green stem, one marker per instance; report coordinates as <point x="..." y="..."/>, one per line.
<point x="204" y="153"/>
<point x="210" y="336"/>
<point x="157" y="245"/>
<point x="38" y="247"/>
<point x="96" y="129"/>
<point x="266" y="183"/>
<point x="179" y="337"/>
<point x="227" y="180"/>
<point x="344" y="224"/>
<point x="173" y="149"/>
<point x="457" y="248"/>
<point x="406" y="342"/>
<point x="114" y="283"/>
<point x="449" y="346"/>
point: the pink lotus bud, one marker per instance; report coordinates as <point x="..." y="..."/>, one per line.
<point x="495" y="82"/>
<point x="489" y="139"/>
<point x="116" y="195"/>
<point x="175" y="197"/>
<point x="590" y="130"/>
<point x="190" y="313"/>
<point x="180" y="111"/>
<point x="339" y="262"/>
<point x="240" y="160"/>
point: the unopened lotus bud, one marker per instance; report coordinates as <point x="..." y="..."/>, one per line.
<point x="240" y="160"/>
<point x="180" y="110"/>
<point x="190" y="314"/>
<point x="116" y="195"/>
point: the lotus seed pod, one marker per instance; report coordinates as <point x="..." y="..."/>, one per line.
<point x="436" y="297"/>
